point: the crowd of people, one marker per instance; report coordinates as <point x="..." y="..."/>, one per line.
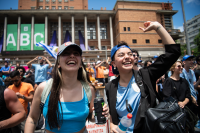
<point x="69" y="100"/>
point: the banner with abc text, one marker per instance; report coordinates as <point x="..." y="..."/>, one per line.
<point x="25" y="37"/>
<point x="39" y="35"/>
<point x="11" y="40"/>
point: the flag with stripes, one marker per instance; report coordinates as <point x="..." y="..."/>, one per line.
<point x="51" y="50"/>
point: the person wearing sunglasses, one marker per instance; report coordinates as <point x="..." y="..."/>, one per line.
<point x="125" y="94"/>
<point x="176" y="86"/>
<point x="24" y="92"/>
<point x="136" y="56"/>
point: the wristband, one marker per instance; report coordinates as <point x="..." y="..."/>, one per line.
<point x="23" y="97"/>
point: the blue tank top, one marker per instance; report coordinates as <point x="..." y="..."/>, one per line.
<point x="74" y="115"/>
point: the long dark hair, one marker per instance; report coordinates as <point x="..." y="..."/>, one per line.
<point x="53" y="114"/>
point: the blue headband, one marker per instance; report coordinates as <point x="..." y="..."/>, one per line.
<point x="117" y="47"/>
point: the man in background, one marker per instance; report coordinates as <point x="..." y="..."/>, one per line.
<point x="40" y="69"/>
<point x="24" y="92"/>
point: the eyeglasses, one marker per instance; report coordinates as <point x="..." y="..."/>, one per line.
<point x="134" y="55"/>
<point x="20" y="71"/>
<point x="15" y="80"/>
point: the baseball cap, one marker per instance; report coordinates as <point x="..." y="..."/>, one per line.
<point x="114" y="49"/>
<point x="186" y="57"/>
<point x="139" y="61"/>
<point x="62" y="47"/>
<point x="98" y="62"/>
<point x="155" y="56"/>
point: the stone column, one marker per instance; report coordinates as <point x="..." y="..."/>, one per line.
<point x="86" y="39"/>
<point x="59" y="30"/>
<point x="5" y="34"/>
<point x="46" y="30"/>
<point x="18" y="33"/>
<point x="111" y="32"/>
<point x="98" y="30"/>
<point x="32" y="32"/>
<point x="73" y="30"/>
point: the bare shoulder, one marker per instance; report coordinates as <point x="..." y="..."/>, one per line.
<point x="40" y="89"/>
<point x="9" y="94"/>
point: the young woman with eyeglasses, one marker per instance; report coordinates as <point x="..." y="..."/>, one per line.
<point x="125" y="93"/>
<point x="176" y="86"/>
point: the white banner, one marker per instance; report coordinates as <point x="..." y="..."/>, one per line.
<point x="97" y="128"/>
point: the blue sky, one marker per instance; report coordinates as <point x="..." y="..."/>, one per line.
<point x="192" y="8"/>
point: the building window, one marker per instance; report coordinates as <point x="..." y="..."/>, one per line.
<point x="59" y="0"/>
<point x="147" y="41"/>
<point x="53" y="27"/>
<point x="66" y="7"/>
<point x="71" y="0"/>
<point x="32" y="8"/>
<point x="129" y="29"/>
<point x="66" y="0"/>
<point x="92" y="47"/>
<point x="79" y="27"/>
<point x="53" y="7"/>
<point x="134" y="41"/>
<point x="168" y="23"/>
<point x="40" y="0"/>
<point x="40" y="7"/>
<point x="53" y="1"/>
<point x="103" y="30"/>
<point x="47" y="7"/>
<point x="159" y="41"/>
<point x="71" y="7"/>
<point x="47" y="0"/>
<point x="91" y="30"/>
<point x="103" y="47"/>
<point x="124" y="28"/>
<point x="59" y="7"/>
<point x="67" y="27"/>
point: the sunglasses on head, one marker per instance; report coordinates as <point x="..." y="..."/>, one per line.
<point x="134" y="55"/>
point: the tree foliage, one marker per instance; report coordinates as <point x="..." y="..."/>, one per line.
<point x="195" y="51"/>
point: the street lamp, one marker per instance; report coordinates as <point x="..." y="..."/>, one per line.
<point x="187" y="41"/>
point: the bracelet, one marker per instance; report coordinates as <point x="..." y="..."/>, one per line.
<point x="157" y="28"/>
<point x="23" y="97"/>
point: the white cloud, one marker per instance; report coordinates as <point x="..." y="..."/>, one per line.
<point x="189" y="1"/>
<point x="193" y="1"/>
<point x="179" y="27"/>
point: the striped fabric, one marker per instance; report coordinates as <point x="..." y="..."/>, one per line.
<point x="51" y="50"/>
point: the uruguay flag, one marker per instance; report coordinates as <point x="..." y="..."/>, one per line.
<point x="52" y="50"/>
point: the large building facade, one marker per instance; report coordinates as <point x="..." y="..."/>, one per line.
<point x="96" y="31"/>
<point x="193" y="26"/>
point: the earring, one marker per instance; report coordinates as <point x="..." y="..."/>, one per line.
<point x="114" y="67"/>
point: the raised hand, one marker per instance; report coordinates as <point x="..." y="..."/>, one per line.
<point x="148" y="26"/>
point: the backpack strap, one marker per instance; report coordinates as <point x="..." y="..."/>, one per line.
<point x="87" y="89"/>
<point x="45" y="92"/>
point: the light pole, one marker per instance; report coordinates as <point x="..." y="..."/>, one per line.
<point x="187" y="41"/>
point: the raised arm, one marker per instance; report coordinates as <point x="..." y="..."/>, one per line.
<point x="172" y="51"/>
<point x="161" y="31"/>
<point x="30" y="62"/>
<point x="50" y="65"/>
<point x="98" y="65"/>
